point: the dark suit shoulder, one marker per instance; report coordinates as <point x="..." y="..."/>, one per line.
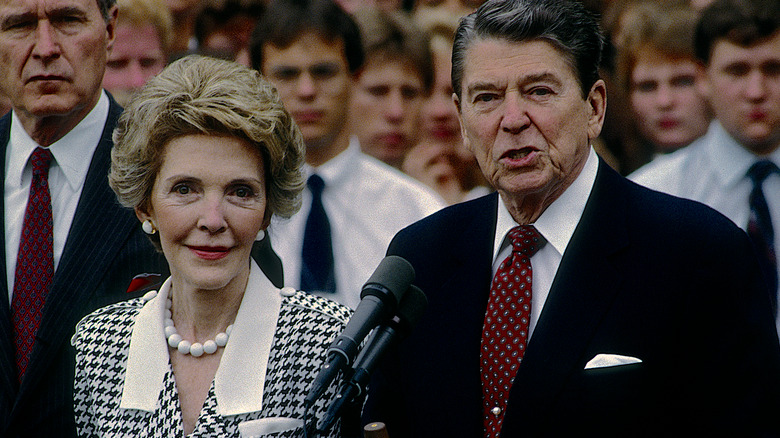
<point x="667" y="216"/>
<point x="449" y="224"/>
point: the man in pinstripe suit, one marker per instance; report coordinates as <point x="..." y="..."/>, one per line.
<point x="52" y="58"/>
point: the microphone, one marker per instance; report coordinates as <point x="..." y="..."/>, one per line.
<point x="410" y="311"/>
<point x="379" y="299"/>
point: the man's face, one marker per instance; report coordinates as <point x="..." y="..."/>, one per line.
<point x="53" y="55"/>
<point x="386" y="105"/>
<point x="669" y="109"/>
<point x="743" y="85"/>
<point x="137" y="55"/>
<point x="524" y="117"/>
<point x="314" y="82"/>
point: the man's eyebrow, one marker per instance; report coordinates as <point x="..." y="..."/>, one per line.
<point x="66" y="11"/>
<point x="529" y="79"/>
<point x="482" y="86"/>
<point x="21" y="17"/>
<point x="542" y="77"/>
<point x="16" y="18"/>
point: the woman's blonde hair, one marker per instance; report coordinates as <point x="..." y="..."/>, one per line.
<point x="202" y="95"/>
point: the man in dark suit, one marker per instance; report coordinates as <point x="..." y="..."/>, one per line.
<point x="52" y="58"/>
<point x="572" y="302"/>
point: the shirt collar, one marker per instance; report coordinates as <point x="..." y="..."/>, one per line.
<point x="558" y="222"/>
<point x="240" y="378"/>
<point x="335" y="170"/>
<point x="730" y="160"/>
<point x="69" y="152"/>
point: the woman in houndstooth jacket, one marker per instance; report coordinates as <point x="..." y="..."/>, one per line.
<point x="205" y="155"/>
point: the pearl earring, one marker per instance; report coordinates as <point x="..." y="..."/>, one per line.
<point x="260" y="235"/>
<point x="148" y="227"/>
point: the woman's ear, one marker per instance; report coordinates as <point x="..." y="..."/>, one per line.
<point x="142" y="214"/>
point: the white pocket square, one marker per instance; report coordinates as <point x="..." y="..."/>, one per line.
<point x="264" y="426"/>
<point x="610" y="360"/>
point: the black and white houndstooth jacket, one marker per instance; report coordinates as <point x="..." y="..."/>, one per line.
<point x="124" y="385"/>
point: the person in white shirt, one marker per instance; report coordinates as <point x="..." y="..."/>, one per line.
<point x="312" y="52"/>
<point x="739" y="43"/>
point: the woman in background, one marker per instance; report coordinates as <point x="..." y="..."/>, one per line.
<point x="659" y="73"/>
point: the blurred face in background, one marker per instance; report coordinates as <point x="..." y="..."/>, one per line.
<point x="439" y="115"/>
<point x="314" y="83"/>
<point x="386" y="109"/>
<point x="669" y="110"/>
<point x="743" y="85"/>
<point x="137" y="56"/>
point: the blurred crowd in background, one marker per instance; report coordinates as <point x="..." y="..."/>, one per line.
<point x="654" y="105"/>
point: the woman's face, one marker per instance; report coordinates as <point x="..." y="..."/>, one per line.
<point x="670" y="112"/>
<point x="208" y="203"/>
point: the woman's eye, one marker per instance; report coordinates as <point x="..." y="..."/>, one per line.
<point x="244" y="192"/>
<point x="182" y="189"/>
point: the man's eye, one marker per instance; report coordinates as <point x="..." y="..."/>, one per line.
<point x="19" y="24"/>
<point x="540" y="91"/>
<point x="484" y="97"/>
<point x="378" y="90"/>
<point x="286" y="74"/>
<point x="737" y="70"/>
<point x="325" y="71"/>
<point x="683" y="81"/>
<point x="645" y="86"/>
<point x="116" y="64"/>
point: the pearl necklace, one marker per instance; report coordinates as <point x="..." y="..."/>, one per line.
<point x="196" y="349"/>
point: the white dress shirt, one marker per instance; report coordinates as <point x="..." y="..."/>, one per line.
<point x="367" y="202"/>
<point x="556" y="225"/>
<point x="72" y="156"/>
<point x="713" y="170"/>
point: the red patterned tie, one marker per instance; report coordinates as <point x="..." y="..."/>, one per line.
<point x="505" y="332"/>
<point x="35" y="262"/>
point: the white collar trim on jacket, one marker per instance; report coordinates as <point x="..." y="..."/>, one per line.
<point x="240" y="378"/>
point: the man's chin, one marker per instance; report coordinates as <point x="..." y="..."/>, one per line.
<point x="53" y="105"/>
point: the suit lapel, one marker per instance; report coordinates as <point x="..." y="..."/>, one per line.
<point x="8" y="380"/>
<point x="463" y="285"/>
<point x="581" y="294"/>
<point x="98" y="230"/>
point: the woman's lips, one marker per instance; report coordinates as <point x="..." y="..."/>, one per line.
<point x="210" y="252"/>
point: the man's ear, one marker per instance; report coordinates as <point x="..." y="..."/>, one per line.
<point x="464" y="138"/>
<point x="597" y="104"/>
<point x="113" y="13"/>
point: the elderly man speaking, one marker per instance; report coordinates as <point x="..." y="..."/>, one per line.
<point x="572" y="302"/>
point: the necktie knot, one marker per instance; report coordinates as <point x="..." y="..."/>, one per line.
<point x="526" y="240"/>
<point x="40" y="159"/>
<point x="760" y="170"/>
<point x="316" y="185"/>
